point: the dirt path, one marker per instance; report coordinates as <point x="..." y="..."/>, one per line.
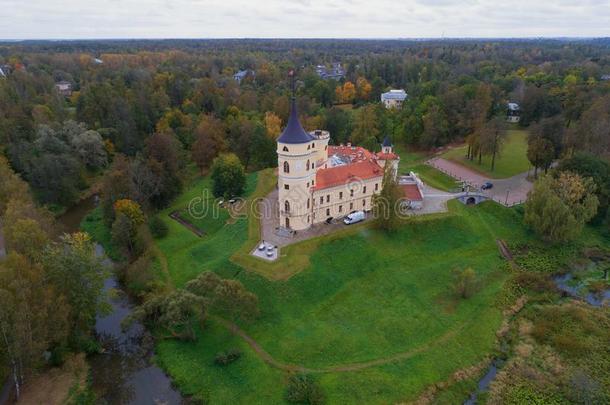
<point x="269" y="359"/>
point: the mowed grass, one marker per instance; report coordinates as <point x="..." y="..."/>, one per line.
<point x="362" y="297"/>
<point x="511" y="161"/>
<point x="414" y="161"/>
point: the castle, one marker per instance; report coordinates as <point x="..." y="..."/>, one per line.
<point x="317" y="181"/>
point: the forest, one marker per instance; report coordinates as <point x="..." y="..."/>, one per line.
<point x="141" y="120"/>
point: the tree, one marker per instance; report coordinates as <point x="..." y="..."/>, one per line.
<point x="78" y="274"/>
<point x="228" y="297"/>
<point x="303" y="389"/>
<point x="228" y="176"/>
<point x="346" y="93"/>
<point x="131" y="210"/>
<point x="176" y="312"/>
<point x="33" y="317"/>
<point x="492" y="138"/>
<point x="464" y="282"/>
<point x="366" y="128"/>
<point x="90" y="148"/>
<point x="273" y="125"/>
<point x="558" y="208"/>
<point x="386" y="204"/>
<point x="364" y="88"/>
<point x="209" y="141"/>
<point x="540" y="153"/>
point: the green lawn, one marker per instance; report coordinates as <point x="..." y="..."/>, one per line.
<point x="511" y="161"/>
<point x="414" y="161"/>
<point x="362" y="296"/>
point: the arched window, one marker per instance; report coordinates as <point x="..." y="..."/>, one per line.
<point x="312" y="166"/>
<point x="286" y="167"/>
<point x="285" y="149"/>
<point x="308" y="203"/>
<point x="286" y="206"/>
<point x="307" y="165"/>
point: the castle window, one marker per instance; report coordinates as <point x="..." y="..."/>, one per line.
<point x="328" y="212"/>
<point x="322" y="200"/>
<point x="328" y="198"/>
<point x="326" y="147"/>
<point x="286" y="187"/>
<point x="307" y="165"/>
<point x="340" y="195"/>
<point x="312" y="166"/>
<point x="307" y="184"/>
<point x="364" y="190"/>
<point x="341" y="208"/>
<point x="313" y="145"/>
<point x="363" y="203"/>
<point x="308" y="219"/>
<point x="285" y="149"/>
<point x="313" y="182"/>
<point x="286" y="206"/>
<point x="308" y="147"/>
<point x="286" y="167"/>
<point x="351" y="206"/>
<point x="376" y="186"/>
<point x="308" y="205"/>
<point x="351" y="193"/>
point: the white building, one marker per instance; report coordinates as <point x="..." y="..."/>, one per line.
<point x="513" y="112"/>
<point x="393" y="98"/>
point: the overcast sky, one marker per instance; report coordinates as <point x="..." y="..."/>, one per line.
<point x="21" y="19"/>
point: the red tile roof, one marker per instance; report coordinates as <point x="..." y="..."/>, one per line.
<point x="354" y="153"/>
<point x="338" y="175"/>
<point x="411" y="192"/>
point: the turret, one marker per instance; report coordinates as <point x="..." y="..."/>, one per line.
<point x="296" y="151"/>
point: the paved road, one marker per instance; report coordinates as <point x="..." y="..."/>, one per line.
<point x="510" y="191"/>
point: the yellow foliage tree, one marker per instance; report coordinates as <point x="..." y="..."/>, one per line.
<point x="130" y="209"/>
<point x="273" y="124"/>
<point x="364" y="88"/>
<point x="347" y="93"/>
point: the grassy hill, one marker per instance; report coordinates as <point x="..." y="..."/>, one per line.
<point x="381" y="303"/>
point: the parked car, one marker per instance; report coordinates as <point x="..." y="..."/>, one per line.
<point x="270" y="250"/>
<point x="354" y="217"/>
<point x="487" y="185"/>
<point x="261" y="246"/>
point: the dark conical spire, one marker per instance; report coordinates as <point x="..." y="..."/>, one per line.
<point x="387" y="142"/>
<point x="294" y="132"/>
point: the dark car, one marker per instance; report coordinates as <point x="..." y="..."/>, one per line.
<point x="487" y="185"/>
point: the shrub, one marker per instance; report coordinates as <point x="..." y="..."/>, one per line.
<point x="303" y="389"/>
<point x="464" y="282"/>
<point x="228" y="357"/>
<point x="158" y="228"/>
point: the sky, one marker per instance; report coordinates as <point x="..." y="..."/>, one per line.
<point x="77" y="19"/>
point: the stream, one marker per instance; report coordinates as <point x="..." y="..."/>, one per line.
<point x="123" y="373"/>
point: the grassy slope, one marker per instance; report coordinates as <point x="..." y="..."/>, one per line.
<point x="414" y="161"/>
<point x="512" y="160"/>
<point x="394" y="300"/>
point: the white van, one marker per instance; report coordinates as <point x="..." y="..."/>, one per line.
<point x="354" y="217"/>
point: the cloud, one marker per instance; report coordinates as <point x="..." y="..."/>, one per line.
<point x="301" y="18"/>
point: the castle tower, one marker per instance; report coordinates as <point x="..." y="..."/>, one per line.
<point x="387" y="155"/>
<point x="297" y="153"/>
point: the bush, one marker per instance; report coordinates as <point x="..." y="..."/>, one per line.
<point x="158" y="228"/>
<point x="228" y="357"/>
<point x="303" y="389"/>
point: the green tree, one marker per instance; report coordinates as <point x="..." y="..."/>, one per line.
<point x="558" y="208"/>
<point x="540" y="153"/>
<point x="228" y="176"/>
<point x="78" y="274"/>
<point x="492" y="138"/>
<point x="386" y="204"/>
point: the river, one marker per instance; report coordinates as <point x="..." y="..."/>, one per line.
<point x="123" y="373"/>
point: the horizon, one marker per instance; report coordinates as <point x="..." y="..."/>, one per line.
<point x="315" y="19"/>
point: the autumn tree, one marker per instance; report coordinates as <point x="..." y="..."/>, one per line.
<point x="364" y="88"/>
<point x="273" y="125"/>
<point x="492" y="138"/>
<point x="346" y="93"/>
<point x="540" y="153"/>
<point x="209" y="141"/>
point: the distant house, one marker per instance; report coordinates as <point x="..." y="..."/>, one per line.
<point x="513" y="112"/>
<point x="5" y="70"/>
<point x="393" y="98"/>
<point x="242" y="74"/>
<point x="98" y="61"/>
<point x="64" y="88"/>
<point x="605" y="77"/>
<point x="336" y="72"/>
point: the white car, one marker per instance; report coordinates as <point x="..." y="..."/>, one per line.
<point x="354" y="217"/>
<point x="270" y="250"/>
<point x="261" y="246"/>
